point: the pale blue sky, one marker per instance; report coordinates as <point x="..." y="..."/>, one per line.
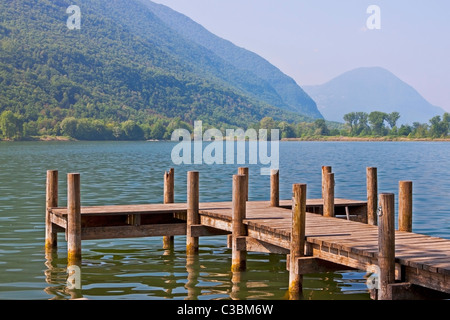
<point x="315" y="40"/>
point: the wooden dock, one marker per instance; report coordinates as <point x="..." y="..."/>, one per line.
<point x="318" y="235"/>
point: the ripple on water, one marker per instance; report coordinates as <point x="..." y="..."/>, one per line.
<point x="139" y="268"/>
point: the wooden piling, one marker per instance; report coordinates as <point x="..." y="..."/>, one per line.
<point x="275" y="188"/>
<point x="256" y="227"/>
<point x="405" y="206"/>
<point x="372" y="195"/>
<point x="328" y="195"/>
<point x="386" y="244"/>
<point x="193" y="217"/>
<point x="325" y="171"/>
<point x="244" y="171"/>
<point x="297" y="247"/>
<point x="238" y="262"/>
<point x="51" y="202"/>
<point x="169" y="197"/>
<point x="73" y="219"/>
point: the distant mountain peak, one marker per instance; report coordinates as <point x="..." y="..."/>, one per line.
<point x="370" y="89"/>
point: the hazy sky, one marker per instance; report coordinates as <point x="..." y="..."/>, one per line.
<point x="315" y="40"/>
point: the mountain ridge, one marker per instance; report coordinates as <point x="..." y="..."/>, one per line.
<point x="293" y="97"/>
<point x="123" y="64"/>
<point x="368" y="89"/>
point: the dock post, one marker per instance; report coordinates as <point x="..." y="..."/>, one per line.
<point x="244" y="171"/>
<point x="73" y="219"/>
<point x="193" y="217"/>
<point x="386" y="244"/>
<point x="51" y="201"/>
<point x="297" y="248"/>
<point x="405" y="206"/>
<point x="328" y="196"/>
<point x="169" y="186"/>
<point x="238" y="261"/>
<point x="325" y="171"/>
<point x="372" y="192"/>
<point x="274" y="188"/>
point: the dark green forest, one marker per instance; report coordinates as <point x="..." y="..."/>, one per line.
<point x="110" y="79"/>
<point x="126" y="76"/>
<point x="358" y="124"/>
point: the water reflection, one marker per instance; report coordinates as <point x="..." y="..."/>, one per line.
<point x="141" y="269"/>
<point x="193" y="269"/>
<point x="65" y="281"/>
<point x="138" y="272"/>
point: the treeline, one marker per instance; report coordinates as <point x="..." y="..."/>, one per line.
<point x="362" y="124"/>
<point x="378" y="123"/>
<point x="13" y="126"/>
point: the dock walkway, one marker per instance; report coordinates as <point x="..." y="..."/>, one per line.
<point x="420" y="265"/>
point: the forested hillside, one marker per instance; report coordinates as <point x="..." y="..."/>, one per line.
<point x="289" y="95"/>
<point x="123" y="75"/>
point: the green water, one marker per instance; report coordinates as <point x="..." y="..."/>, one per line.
<point x="132" y="173"/>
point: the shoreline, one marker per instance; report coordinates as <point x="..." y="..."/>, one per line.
<point x="367" y="139"/>
<point x="305" y="139"/>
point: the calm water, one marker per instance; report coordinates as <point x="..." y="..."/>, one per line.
<point x="132" y="172"/>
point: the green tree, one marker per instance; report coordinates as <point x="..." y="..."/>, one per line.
<point x="351" y="121"/>
<point x="69" y="126"/>
<point x="11" y="125"/>
<point x="392" y="119"/>
<point x="363" y="126"/>
<point x="286" y="129"/>
<point x="30" y="129"/>
<point x="132" y="131"/>
<point x="269" y="124"/>
<point x="376" y="119"/>
<point x="320" y="128"/>
<point x="419" y="130"/>
<point x="158" y="130"/>
<point x="404" y="130"/>
<point x="357" y="123"/>
<point x="439" y="128"/>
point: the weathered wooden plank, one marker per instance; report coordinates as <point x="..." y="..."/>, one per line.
<point x="206" y="231"/>
<point x="308" y="265"/>
<point x="345" y="258"/>
<point x="156" y="230"/>
<point x="250" y="244"/>
<point x="272" y="238"/>
<point x="409" y="291"/>
<point x="435" y="281"/>
<point x="59" y="221"/>
<point x="124" y="210"/>
<point x="216" y="223"/>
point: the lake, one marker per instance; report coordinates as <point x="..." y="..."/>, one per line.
<point x="132" y="173"/>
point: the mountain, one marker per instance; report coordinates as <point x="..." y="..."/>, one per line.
<point x="124" y="64"/>
<point x="289" y="95"/>
<point x="371" y="89"/>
